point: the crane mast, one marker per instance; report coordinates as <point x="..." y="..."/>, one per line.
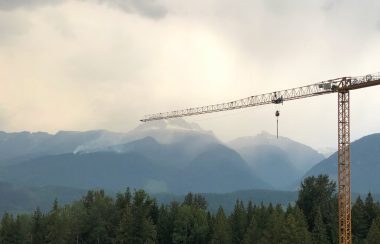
<point x="342" y="86"/>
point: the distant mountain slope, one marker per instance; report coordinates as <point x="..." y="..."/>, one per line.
<point x="171" y="131"/>
<point x="143" y="164"/>
<point x="365" y="165"/>
<point x="219" y="169"/>
<point x="327" y="151"/>
<point x="176" y="154"/>
<point x="17" y="147"/>
<point x="22" y="146"/>
<point x="280" y="162"/>
<point x="94" y="170"/>
<point x="18" y="199"/>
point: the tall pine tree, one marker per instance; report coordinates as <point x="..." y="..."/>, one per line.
<point x="359" y="222"/>
<point x="221" y="229"/>
<point x="374" y="232"/>
<point x="238" y="221"/>
<point x="319" y="234"/>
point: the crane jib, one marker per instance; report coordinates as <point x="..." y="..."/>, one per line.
<point x="277" y="97"/>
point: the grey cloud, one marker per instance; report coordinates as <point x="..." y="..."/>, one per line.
<point x="150" y="8"/>
<point x="14" y="4"/>
<point x="147" y="8"/>
<point x="12" y="26"/>
<point x="330" y="5"/>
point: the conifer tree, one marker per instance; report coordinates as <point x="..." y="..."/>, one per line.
<point x="123" y="205"/>
<point x="319" y="234"/>
<point x="275" y="229"/>
<point x="238" y="221"/>
<point x="262" y="217"/>
<point x="359" y="222"/>
<point x="320" y="192"/>
<point x="374" y="232"/>
<point x="250" y="212"/>
<point x="182" y="225"/>
<point x="98" y="220"/>
<point x="371" y="210"/>
<point x="316" y="192"/>
<point x="124" y="233"/>
<point x="252" y="233"/>
<point x="165" y="225"/>
<point x="123" y="201"/>
<point x="38" y="227"/>
<point x="190" y="225"/>
<point x="56" y="227"/>
<point x="295" y="230"/>
<point x="195" y="200"/>
<point x="143" y="229"/>
<point x="221" y="230"/>
<point x="22" y="228"/>
<point x="7" y="232"/>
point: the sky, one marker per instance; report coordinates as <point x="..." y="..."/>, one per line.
<point x="104" y="64"/>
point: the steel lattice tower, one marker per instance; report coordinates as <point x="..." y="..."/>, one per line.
<point x="344" y="184"/>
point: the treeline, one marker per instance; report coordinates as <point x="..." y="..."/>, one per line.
<point x="136" y="218"/>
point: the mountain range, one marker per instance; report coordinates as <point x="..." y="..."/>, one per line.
<point x="172" y="157"/>
<point x="163" y="156"/>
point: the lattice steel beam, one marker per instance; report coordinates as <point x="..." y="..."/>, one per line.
<point x="321" y="88"/>
<point x="344" y="187"/>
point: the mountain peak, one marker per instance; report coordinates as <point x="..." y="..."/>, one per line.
<point x="171" y="124"/>
<point x="272" y="156"/>
<point x="264" y="135"/>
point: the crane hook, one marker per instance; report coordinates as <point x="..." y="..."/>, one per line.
<point x="277" y="115"/>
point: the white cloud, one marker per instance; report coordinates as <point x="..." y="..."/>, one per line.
<point x="79" y="65"/>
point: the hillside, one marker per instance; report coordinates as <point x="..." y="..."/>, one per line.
<point x="16" y="147"/>
<point x="18" y="199"/>
<point x="281" y="162"/>
<point x="160" y="156"/>
<point x="143" y="164"/>
<point x="365" y="165"/>
<point x="22" y="146"/>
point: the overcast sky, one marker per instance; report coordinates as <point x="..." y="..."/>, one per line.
<point x="103" y="64"/>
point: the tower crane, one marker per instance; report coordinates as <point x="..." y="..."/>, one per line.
<point x="342" y="86"/>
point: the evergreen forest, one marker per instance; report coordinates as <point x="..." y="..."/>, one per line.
<point x="135" y="217"/>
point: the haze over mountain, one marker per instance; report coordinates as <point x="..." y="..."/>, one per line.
<point x="173" y="156"/>
<point x="166" y="156"/>
<point x="16" y="147"/>
<point x="163" y="131"/>
<point x="186" y="159"/>
<point x="365" y="165"/>
<point x="20" y="146"/>
<point x="279" y="161"/>
<point x="327" y="151"/>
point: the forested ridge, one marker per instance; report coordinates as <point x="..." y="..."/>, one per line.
<point x="135" y="217"/>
